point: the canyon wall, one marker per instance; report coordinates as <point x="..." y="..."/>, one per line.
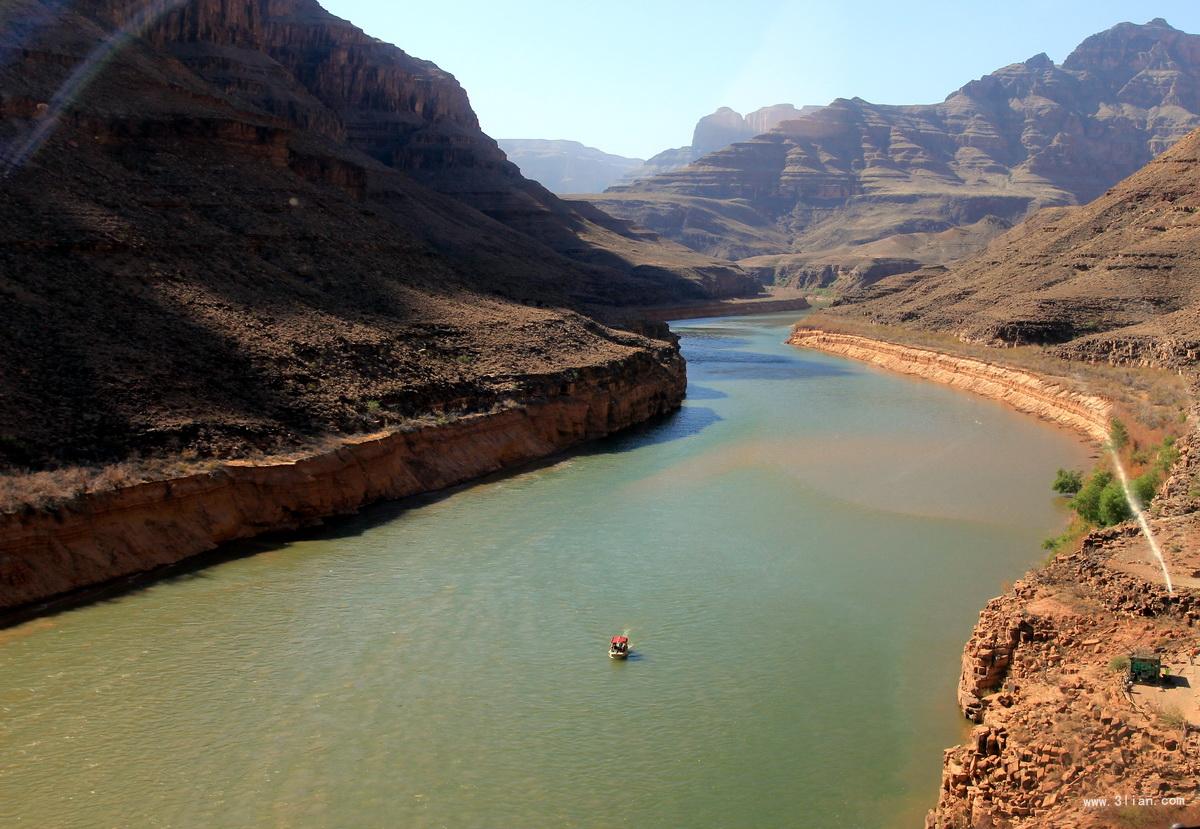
<point x="1024" y="391"/>
<point x="103" y="536"/>
<point x="1112" y="281"/>
<point x="1034" y="134"/>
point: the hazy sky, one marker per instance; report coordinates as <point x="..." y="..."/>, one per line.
<point x="632" y="76"/>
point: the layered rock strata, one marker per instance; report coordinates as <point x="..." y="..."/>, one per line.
<point x="1114" y="280"/>
<point x="1030" y="135"/>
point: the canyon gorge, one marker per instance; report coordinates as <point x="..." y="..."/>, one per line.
<point x="845" y="194"/>
<point x="260" y="271"/>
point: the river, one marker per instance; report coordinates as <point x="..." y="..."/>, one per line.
<point x="797" y="556"/>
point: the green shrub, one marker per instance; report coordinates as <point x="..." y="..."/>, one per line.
<point x="1087" y="501"/>
<point x="1114" y="506"/>
<point x="1067" y="482"/>
<point x="1144" y="486"/>
<point x="1167" y="455"/>
<point x="1119" y="664"/>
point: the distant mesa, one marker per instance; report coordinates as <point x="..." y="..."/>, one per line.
<point x="566" y="167"/>
<point x="714" y="131"/>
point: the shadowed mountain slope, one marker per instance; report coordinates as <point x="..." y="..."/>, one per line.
<point x="247" y="225"/>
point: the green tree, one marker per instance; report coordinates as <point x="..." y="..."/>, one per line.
<point x="1068" y="482"/>
<point x="1087" y="501"/>
<point x="1144" y="486"/>
<point x="1114" y="506"/>
<point x="1118" y="435"/>
<point x="1167" y="455"/>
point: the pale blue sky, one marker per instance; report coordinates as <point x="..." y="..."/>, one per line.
<point x="632" y="76"/>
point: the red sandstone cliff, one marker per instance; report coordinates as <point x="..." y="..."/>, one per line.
<point x="97" y="537"/>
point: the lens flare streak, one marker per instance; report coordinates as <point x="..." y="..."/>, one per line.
<point x="21" y="149"/>
<point x="1141" y="518"/>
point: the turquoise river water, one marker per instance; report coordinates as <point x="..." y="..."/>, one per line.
<point x="797" y="556"/>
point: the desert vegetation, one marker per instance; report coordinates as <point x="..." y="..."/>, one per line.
<point x="1099" y="499"/>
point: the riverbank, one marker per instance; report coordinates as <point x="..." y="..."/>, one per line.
<point x="738" y="541"/>
<point x="1023" y="390"/>
<point x="1057" y="731"/>
<point x="100" y="536"/>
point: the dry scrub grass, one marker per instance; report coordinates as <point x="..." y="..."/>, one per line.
<point x="45" y="489"/>
<point x="52" y="487"/>
<point x="22" y="490"/>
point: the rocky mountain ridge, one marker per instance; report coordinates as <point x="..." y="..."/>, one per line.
<point x="1030" y="135"/>
<point x="567" y="166"/>
<point x="1115" y="280"/>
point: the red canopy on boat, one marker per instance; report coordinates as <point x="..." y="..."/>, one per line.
<point x="620" y="640"/>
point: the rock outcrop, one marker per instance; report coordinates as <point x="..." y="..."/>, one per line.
<point x="1061" y="741"/>
<point x="1030" y="135"/>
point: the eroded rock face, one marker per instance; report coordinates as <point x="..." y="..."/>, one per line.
<point x="1115" y="280"/>
<point x="1043" y="679"/>
<point x="1030" y="135"/>
<point x="1056" y="724"/>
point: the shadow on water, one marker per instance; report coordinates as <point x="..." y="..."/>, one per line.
<point x="683" y="423"/>
<point x="695" y="392"/>
<point x="717" y="339"/>
<point x="634" y="656"/>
